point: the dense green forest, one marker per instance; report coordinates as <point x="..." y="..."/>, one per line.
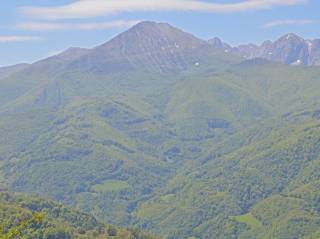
<point x="267" y="188"/>
<point x="28" y="217"/>
<point x="190" y="142"/>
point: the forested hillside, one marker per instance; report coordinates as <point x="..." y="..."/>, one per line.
<point x="159" y="130"/>
<point x="267" y="186"/>
<point x="27" y="217"/>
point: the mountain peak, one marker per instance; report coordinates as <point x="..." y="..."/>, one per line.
<point x="291" y="37"/>
<point x="289" y="49"/>
<point x="152" y="36"/>
<point x="150" y="24"/>
<point x="218" y="43"/>
<point x="150" y="46"/>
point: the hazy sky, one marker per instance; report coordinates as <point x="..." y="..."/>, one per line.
<point x="35" y="29"/>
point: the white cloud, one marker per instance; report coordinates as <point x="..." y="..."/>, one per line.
<point x="55" y="26"/>
<point x="6" y="39"/>
<point x="289" y="22"/>
<point x="96" y="8"/>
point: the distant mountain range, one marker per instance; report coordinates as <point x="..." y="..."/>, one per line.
<point x="147" y="46"/>
<point x="164" y="48"/>
<point x="288" y="49"/>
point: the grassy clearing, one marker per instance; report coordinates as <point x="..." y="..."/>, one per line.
<point x="111" y="186"/>
<point x="249" y="220"/>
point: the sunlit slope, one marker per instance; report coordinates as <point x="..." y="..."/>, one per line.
<point x="39" y="218"/>
<point x="90" y="144"/>
<point x="265" y="187"/>
<point x="112" y="153"/>
<point x="284" y="88"/>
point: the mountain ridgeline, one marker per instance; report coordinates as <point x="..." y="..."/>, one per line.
<point x="159" y="130"/>
<point x="289" y="49"/>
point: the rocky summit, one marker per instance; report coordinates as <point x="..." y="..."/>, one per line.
<point x="289" y="49"/>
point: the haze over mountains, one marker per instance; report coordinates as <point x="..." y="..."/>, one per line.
<point x="161" y="130"/>
<point x="146" y="38"/>
<point x="288" y="49"/>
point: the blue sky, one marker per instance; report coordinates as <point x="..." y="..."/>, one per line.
<point x="34" y="29"/>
